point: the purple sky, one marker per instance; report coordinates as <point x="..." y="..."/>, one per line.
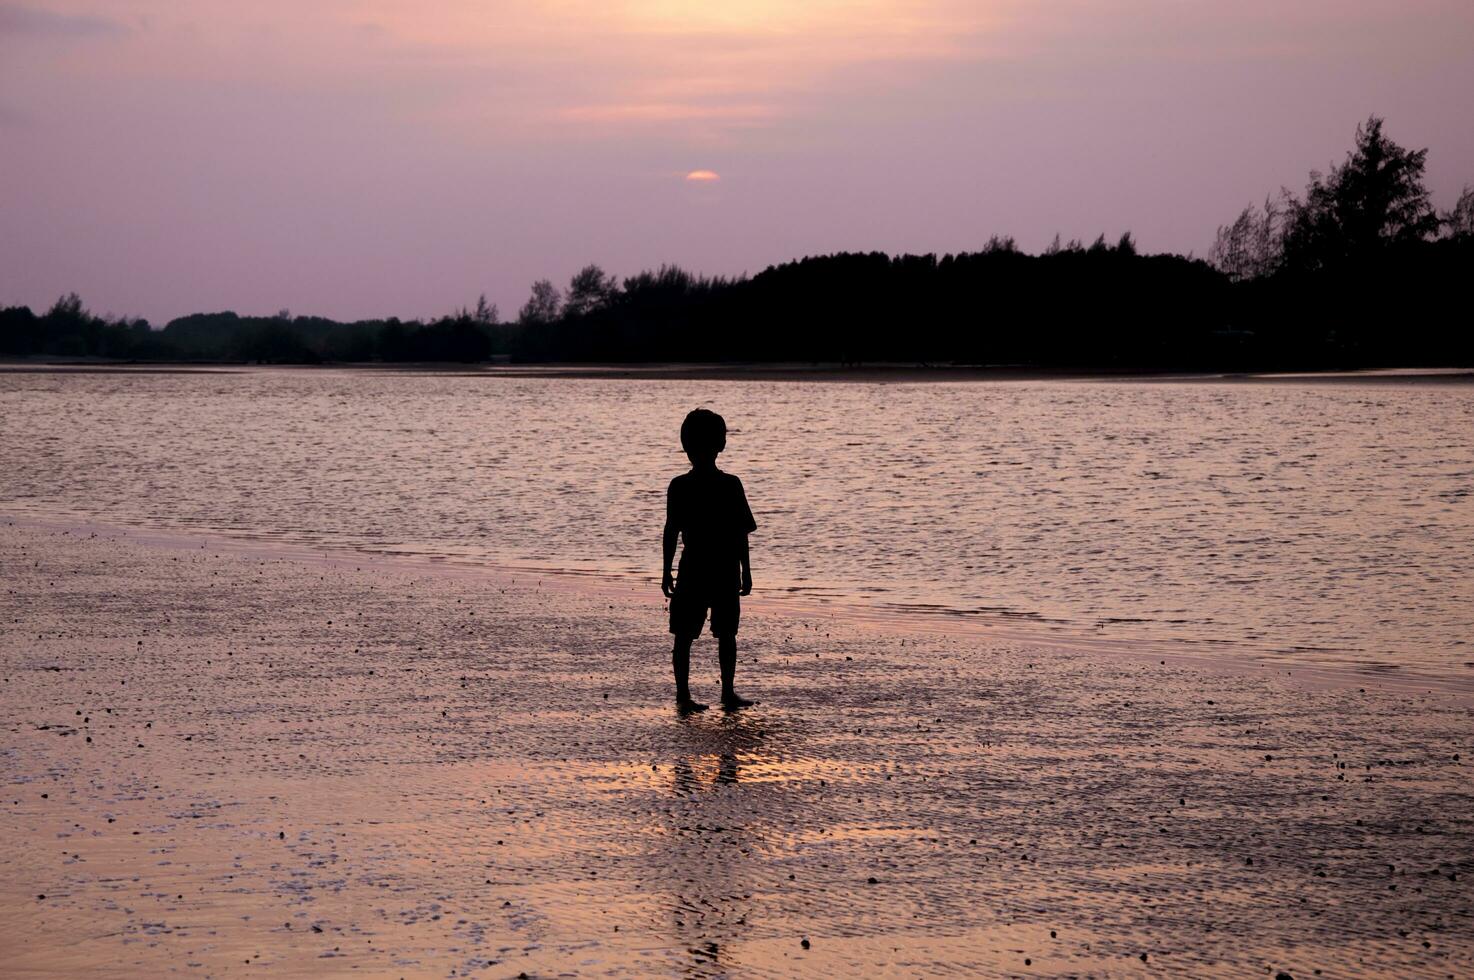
<point x="371" y="157"/>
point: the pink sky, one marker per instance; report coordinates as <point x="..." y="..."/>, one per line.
<point x="371" y="157"/>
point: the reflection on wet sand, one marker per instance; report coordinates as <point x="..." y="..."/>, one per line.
<point x="702" y="852"/>
<point x="217" y="760"/>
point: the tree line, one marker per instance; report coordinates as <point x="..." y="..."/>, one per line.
<point x="1359" y="270"/>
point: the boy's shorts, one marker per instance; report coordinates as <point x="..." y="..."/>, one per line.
<point x="689" y="605"/>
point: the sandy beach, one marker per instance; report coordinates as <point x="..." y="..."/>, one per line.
<point x="220" y="761"/>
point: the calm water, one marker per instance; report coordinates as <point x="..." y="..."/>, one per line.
<point x="1328" y="523"/>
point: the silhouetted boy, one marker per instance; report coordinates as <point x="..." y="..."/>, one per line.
<point x="708" y="510"/>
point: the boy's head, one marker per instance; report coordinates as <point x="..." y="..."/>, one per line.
<point x="703" y="435"/>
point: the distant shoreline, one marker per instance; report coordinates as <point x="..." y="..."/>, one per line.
<point x="872" y="374"/>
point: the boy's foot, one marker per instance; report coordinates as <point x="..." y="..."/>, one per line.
<point x="689" y="706"/>
<point x="732" y="702"/>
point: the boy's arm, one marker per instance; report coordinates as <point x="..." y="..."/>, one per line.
<point x="746" y="525"/>
<point x="668" y="549"/>
<point x="668" y="540"/>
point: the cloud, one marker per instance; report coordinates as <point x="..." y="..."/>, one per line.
<point x="663" y="112"/>
<point x="693" y="70"/>
<point x="703" y="176"/>
<point x="16" y="20"/>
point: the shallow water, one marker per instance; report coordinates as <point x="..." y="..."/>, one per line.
<point x="1319" y="523"/>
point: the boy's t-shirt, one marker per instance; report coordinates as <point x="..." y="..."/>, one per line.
<point x="710" y="510"/>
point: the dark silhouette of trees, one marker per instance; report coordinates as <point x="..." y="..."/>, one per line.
<point x="1251" y="246"/>
<point x="1352" y="274"/>
<point x="461" y="339"/>
<point x="20" y="331"/>
<point x="67" y="329"/>
<point x="543" y="306"/>
<point x="1372" y="203"/>
<point x="1103" y="305"/>
<point x="1357" y="273"/>
<point x="486" y="313"/>
<point x="590" y="289"/>
<point x="654" y="311"/>
<point x="1458" y="221"/>
<point x="466" y="336"/>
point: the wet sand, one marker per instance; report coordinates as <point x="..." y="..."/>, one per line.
<point x="222" y="763"/>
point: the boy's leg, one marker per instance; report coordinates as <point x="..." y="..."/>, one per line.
<point x="680" y="661"/>
<point x="727" y="653"/>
